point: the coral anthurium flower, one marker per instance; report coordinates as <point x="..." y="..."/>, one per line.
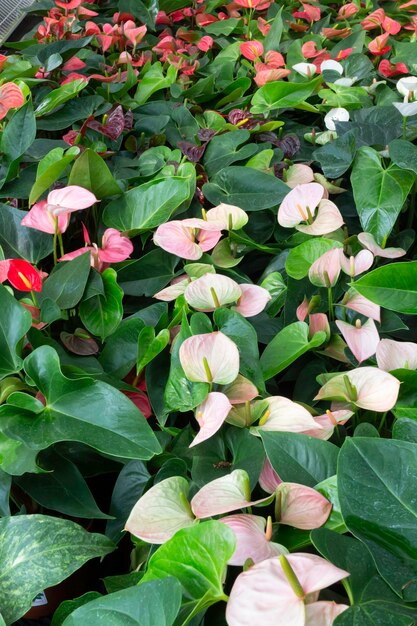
<point x="362" y="340"/>
<point x="281" y="586"/>
<point x="232" y="217"/>
<point x="392" y="355"/>
<point x="251" y="50"/>
<point x="368" y="241"/>
<point x="11" y="97"/>
<point x="269" y="479"/>
<point x="161" y="511"/>
<point x="210" y="415"/>
<point x="223" y="495"/>
<point x="249" y="4"/>
<point x="285" y="415"/>
<point x="115" y="247"/>
<point x="378" y="46"/>
<point x="179" y="237"/>
<point x="300" y="506"/>
<point x="210" y="358"/>
<point x="212" y="291"/>
<point x="355" y="265"/>
<point x="304" y="203"/>
<point x="23" y="276"/>
<point x="367" y="387"/>
<point x="325" y="271"/>
<point x="41" y="219"/>
<point x="252" y="541"/>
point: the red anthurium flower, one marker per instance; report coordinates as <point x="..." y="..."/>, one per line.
<point x="387" y="69"/>
<point x="391" y="26"/>
<point x="23" y="276"/>
<point x="251" y="49"/>
<point x="309" y="13"/>
<point x="347" y="10"/>
<point x="205" y="43"/>
<point x="378" y="46"/>
<point x="11" y="97"/>
<point x="249" y="4"/>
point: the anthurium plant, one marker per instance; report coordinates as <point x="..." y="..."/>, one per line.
<point x="208" y="300"/>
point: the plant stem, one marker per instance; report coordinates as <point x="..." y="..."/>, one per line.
<point x="382" y="422"/>
<point x="55" y="241"/>
<point x="330" y="301"/>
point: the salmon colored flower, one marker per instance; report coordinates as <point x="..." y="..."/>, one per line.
<point x="11" y="97"/>
<point x="373" y="20"/>
<point x="347" y="10"/>
<point x="205" y="43"/>
<point x="378" y="46"/>
<point x="251" y="50"/>
<point x="250" y="4"/>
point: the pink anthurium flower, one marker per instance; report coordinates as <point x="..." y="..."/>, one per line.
<point x="161" y="511"/>
<point x="269" y="479"/>
<point x="251" y="50"/>
<point x="305" y="203"/>
<point x="300" y="506"/>
<point x="285" y="415"/>
<point x="298" y="174"/>
<point x="210" y="358"/>
<point x="253" y="539"/>
<point x="355" y="265"/>
<point x="362" y="340"/>
<point x="179" y="237"/>
<point x="323" y="613"/>
<point x="175" y="289"/>
<point x="240" y="390"/>
<point x="68" y="200"/>
<point x="212" y="291"/>
<point x="325" y="271"/>
<point x="318" y="322"/>
<point x="280" y="588"/>
<point x="368" y="241"/>
<point x="392" y="355"/>
<point x="223" y="495"/>
<point x="40" y="218"/>
<point x="354" y="301"/>
<point x="211" y="415"/>
<point x="366" y="387"/>
<point x="231" y="216"/>
<point x="252" y="301"/>
<point x="328" y="422"/>
<point x="11" y="97"/>
<point x="115" y="247"/>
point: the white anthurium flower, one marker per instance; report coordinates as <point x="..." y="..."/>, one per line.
<point x="338" y="114"/>
<point x="407" y="86"/>
<point x="345" y="81"/>
<point x="305" y="69"/>
<point x="407" y="109"/>
<point x="332" y="66"/>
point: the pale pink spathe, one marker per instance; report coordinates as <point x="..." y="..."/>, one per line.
<point x="211" y="415"/>
<point x="301" y="507"/>
<point x="251" y="541"/>
<point x="218" y="351"/>
<point x="392" y="355"/>
<point x="361" y="340"/>
<point x="41" y="219"/>
<point x="253" y="300"/>
<point x="293" y="209"/>
<point x="325" y="271"/>
<point x="355" y="265"/>
<point x="368" y="241"/>
<point x="179" y="237"/>
<point x="328" y="219"/>
<point x="69" y="199"/>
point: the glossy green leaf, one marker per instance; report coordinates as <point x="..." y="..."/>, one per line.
<point x="154" y="80"/>
<point x="20" y="241"/>
<point x="226" y="149"/>
<point x="91" y="171"/>
<point x="287" y="346"/>
<point x="282" y="95"/>
<point x="249" y="189"/>
<point x="392" y="286"/>
<point x="301" y="258"/>
<point x="84" y="410"/>
<point x="197" y="557"/>
<point x="336" y="157"/>
<point x="120" y="351"/>
<point x="68" y="606"/>
<point x="377" y="614"/>
<point x="5" y="484"/>
<point x="379" y="192"/>
<point x="15" y="321"/>
<point x="59" y="96"/>
<point x="72" y="111"/>
<point x="56" y="167"/>
<point x="404" y="154"/>
<point x="19" y="133"/>
<point x="129" y="487"/>
<point x="150" y="345"/>
<point x="148" y="205"/>
<point x="405" y="428"/>
<point x="39" y="552"/>
<point x="155" y="603"/>
<point x="65" y="286"/>
<point x="147" y="275"/>
<point x="376" y="480"/>
<point x="145" y="10"/>
<point x="101" y="315"/>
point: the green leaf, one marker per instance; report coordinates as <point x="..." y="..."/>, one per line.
<point x="273" y="38"/>
<point x="377" y="614"/>
<point x="65" y="286"/>
<point x="345" y="96"/>
<point x="38" y="552"/>
<point x="298" y="458"/>
<point x="61" y="489"/>
<point x="74" y="110"/>
<point x="149" y="346"/>
<point x="19" y="133"/>
<point x="68" y="606"/>
<point x="91" y="171"/>
<point x="20" y="241"/>
<point x="147" y="275"/>
<point x="243" y="334"/>
<point x="101" y="315"/>
<point x="301" y="258"/>
<point x="147" y="206"/>
<point x="404" y="154"/>
<point x="247" y="188"/>
<point x="5" y="484"/>
<point x="405" y="428"/>
<point x="336" y="157"/>
<point x="153" y="81"/>
<point x="84" y="410"/>
<point x="120" y="351"/>
<point x="15" y="321"/>
<point x="379" y="192"/>
<point x="197" y="557"/>
<point x="287" y="346"/>
<point x="282" y="95"/>
<point x="376" y="479"/>
<point x="392" y="286"/>
<point x="226" y="149"/>
<point x="57" y="166"/>
<point x="145" y="10"/>
<point x="155" y="603"/>
<point x="60" y="95"/>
